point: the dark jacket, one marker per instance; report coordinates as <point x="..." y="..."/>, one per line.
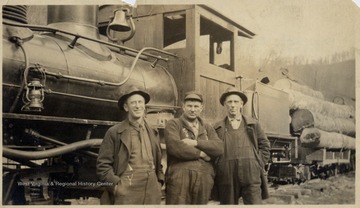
<point x="258" y="139"/>
<point x="179" y="152"/>
<point x="114" y="154"/>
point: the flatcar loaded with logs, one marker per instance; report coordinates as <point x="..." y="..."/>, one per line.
<point x="61" y="81"/>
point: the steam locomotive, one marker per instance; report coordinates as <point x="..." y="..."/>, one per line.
<point x="61" y="83"/>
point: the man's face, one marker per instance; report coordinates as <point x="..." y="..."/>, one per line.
<point x="135" y="105"/>
<point x="192" y="109"/>
<point x="233" y="105"/>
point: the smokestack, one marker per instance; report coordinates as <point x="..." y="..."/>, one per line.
<point x="15" y="13"/>
<point x="81" y="20"/>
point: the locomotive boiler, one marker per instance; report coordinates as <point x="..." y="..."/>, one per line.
<point x="61" y="83"/>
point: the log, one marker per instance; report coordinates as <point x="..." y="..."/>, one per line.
<point x="301" y="101"/>
<point x="287" y="84"/>
<point x="303" y="118"/>
<point x="316" y="138"/>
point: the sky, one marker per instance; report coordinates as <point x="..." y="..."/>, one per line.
<point x="356" y="1"/>
<point x="132" y="2"/>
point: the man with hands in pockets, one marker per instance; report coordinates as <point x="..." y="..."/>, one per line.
<point x="130" y="156"/>
<point x="240" y="170"/>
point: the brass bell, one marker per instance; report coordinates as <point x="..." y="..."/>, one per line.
<point x="119" y="22"/>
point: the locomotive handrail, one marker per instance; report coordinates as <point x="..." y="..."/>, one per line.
<point x="54" y="30"/>
<point x="134" y="63"/>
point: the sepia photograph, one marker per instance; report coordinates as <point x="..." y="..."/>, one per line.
<point x="154" y="102"/>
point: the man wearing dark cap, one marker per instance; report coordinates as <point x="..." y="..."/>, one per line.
<point x="239" y="171"/>
<point x="130" y="156"/>
<point x="191" y="144"/>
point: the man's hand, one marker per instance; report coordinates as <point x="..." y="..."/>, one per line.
<point x="115" y="187"/>
<point x="204" y="156"/>
<point x="190" y="142"/>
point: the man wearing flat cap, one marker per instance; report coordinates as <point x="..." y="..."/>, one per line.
<point x="191" y="144"/>
<point x="130" y="156"/>
<point x="239" y="171"/>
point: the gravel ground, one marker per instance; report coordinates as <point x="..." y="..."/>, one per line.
<point x="338" y="189"/>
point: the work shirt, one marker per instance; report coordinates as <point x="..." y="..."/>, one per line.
<point x="183" y="156"/>
<point x="140" y="151"/>
<point x="235" y="122"/>
<point x="194" y="127"/>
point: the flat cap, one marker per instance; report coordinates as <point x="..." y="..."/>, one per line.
<point x="192" y="95"/>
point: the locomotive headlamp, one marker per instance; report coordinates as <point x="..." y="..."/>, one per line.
<point x="34" y="96"/>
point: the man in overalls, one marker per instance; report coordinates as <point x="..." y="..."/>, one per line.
<point x="130" y="156"/>
<point x="191" y="143"/>
<point x="239" y="171"/>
